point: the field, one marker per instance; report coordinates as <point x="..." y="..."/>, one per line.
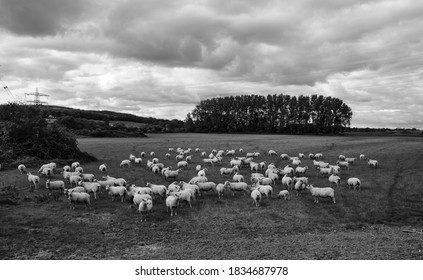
<point x="382" y="221"/>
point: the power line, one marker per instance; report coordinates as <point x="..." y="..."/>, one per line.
<point x="37" y="96"/>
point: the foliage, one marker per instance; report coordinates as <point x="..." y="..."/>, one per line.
<point x="24" y="133"/>
<point x="270" y="114"/>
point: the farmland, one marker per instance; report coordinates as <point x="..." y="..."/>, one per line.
<point x="382" y="221"/>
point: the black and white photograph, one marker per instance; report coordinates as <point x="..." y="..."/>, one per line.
<point x="211" y="130"/>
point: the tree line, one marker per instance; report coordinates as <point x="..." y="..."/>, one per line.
<point x="315" y="114"/>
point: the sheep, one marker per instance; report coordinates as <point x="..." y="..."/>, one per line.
<point x="90" y="187"/>
<point x="262" y="165"/>
<point x="142" y="154"/>
<point x="131" y="157"/>
<point x="288" y="170"/>
<point x="342" y="164"/>
<point x="321" y="192"/>
<point x="265" y="181"/>
<point x="182" y="164"/>
<point x="335" y="169"/>
<point x="74" y="165"/>
<point x="283" y="194"/>
<point x="296" y="179"/>
<point x="125" y="162"/>
<point x="301" y="155"/>
<point x="301" y="170"/>
<point x="220" y="189"/>
<point x="195" y="190"/>
<point x="318" y="156"/>
<point x="235" y="162"/>
<point x="142" y="190"/>
<point x="335" y="179"/>
<point x="272" y="153"/>
<point x="47" y="172"/>
<point x="67" y="168"/>
<point x="273" y="176"/>
<point x="241" y="150"/>
<point x="188" y="158"/>
<point x="320" y="164"/>
<point x="230" y="152"/>
<point x="373" y="163"/>
<point x="79" y="197"/>
<point x="207" y="186"/>
<point x="105" y="183"/>
<point x="341" y="157"/>
<point x="76" y="189"/>
<point x="185" y="195"/>
<point x="167" y="155"/>
<point x="238" y="178"/>
<point x="155" y="169"/>
<point x="171" y="174"/>
<point x="236" y="187"/>
<point x="138" y="198"/>
<point x="311" y="156"/>
<point x="197" y="150"/>
<point x="254" y="166"/>
<point x="22" y="168"/>
<point x="103" y="168"/>
<point x="117" y="191"/>
<point x="201" y="179"/>
<point x="172" y="202"/>
<point x="362" y="157"/>
<point x="208" y="161"/>
<point x="287" y="181"/>
<point x="116" y="181"/>
<point x="145" y="208"/>
<point x="256" y="196"/>
<point x="354" y="182"/>
<point x="203" y="154"/>
<point x="284" y="156"/>
<point x="88" y="177"/>
<point x="50" y="165"/>
<point x="350" y="160"/>
<point x="296" y="162"/>
<point x="33" y="179"/>
<point x="55" y="186"/>
<point x="157" y="190"/>
<point x="171" y="150"/>
<point x="300" y="186"/>
<point x="266" y="190"/>
<point x="138" y="160"/>
<point x="325" y="171"/>
<point x="202" y="172"/>
<point x="152" y="155"/>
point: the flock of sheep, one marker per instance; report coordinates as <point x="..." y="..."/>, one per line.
<point x="79" y="186"/>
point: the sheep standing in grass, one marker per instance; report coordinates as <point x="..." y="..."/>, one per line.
<point x="335" y="179"/>
<point x="103" y="168"/>
<point x="157" y="190"/>
<point x="321" y="192"/>
<point x="301" y="170"/>
<point x="88" y="177"/>
<point x="55" y="188"/>
<point x="33" y="180"/>
<point x="287" y="181"/>
<point x="125" y="162"/>
<point x="266" y="190"/>
<point x="114" y="191"/>
<point x="362" y="157"/>
<point x="172" y="202"/>
<point x="185" y="195"/>
<point x="354" y="182"/>
<point x="284" y="194"/>
<point x="197" y="179"/>
<point x="138" y="198"/>
<point x="145" y="208"/>
<point x="300" y="186"/>
<point x="256" y="196"/>
<point x="202" y="172"/>
<point x="206" y="186"/>
<point x="91" y="187"/>
<point x="47" y="172"/>
<point x="236" y="187"/>
<point x="79" y="197"/>
<point x="22" y="168"/>
<point x="74" y="165"/>
<point x="220" y="189"/>
<point x="238" y="177"/>
<point x="373" y="163"/>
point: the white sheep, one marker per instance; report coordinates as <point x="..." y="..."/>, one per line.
<point x="197" y="150"/>
<point x="208" y="161"/>
<point x="195" y="190"/>
<point x="33" y="179"/>
<point x="296" y="162"/>
<point x="138" y="160"/>
<point x="167" y="155"/>
<point x="272" y="153"/>
<point x="311" y="156"/>
<point x="88" y="177"/>
<point x="132" y="157"/>
<point x="67" y="168"/>
<point x="103" y="168"/>
<point x="182" y="164"/>
<point x="300" y="186"/>
<point x="284" y="156"/>
<point x="173" y="187"/>
<point x="172" y="202"/>
<point x="54" y="187"/>
<point x="230" y="152"/>
<point x="273" y="176"/>
<point x="145" y="208"/>
<point x="266" y="190"/>
<point x="335" y="179"/>
<point x="238" y="178"/>
<point x="236" y="187"/>
<point x="172" y="174"/>
<point x="76" y="189"/>
<point x="125" y="162"/>
<point x="350" y="160"/>
<point x="47" y="172"/>
<point x="343" y="164"/>
<point x="185" y="195"/>
<point x="354" y="182"/>
<point x="142" y="154"/>
<point x="325" y="171"/>
<point x="287" y="181"/>
<point x="198" y="167"/>
<point x="362" y="157"/>
<point x="50" y="165"/>
<point x="79" y="197"/>
<point x="138" y="198"/>
<point x="228" y="171"/>
<point x="373" y="163"/>
<point x="188" y="158"/>
<point x="321" y="192"/>
<point x="155" y="160"/>
<point x="196" y="179"/>
<point x="114" y="191"/>
<point x="75" y="164"/>
<point x="265" y="181"/>
<point x="22" y="168"/>
<point x="202" y="172"/>
<point x="155" y="169"/>
<point x="74" y="180"/>
<point x="341" y="157"/>
<point x="203" y="154"/>
<point x="318" y="156"/>
<point x="283" y="194"/>
<point x="220" y="189"/>
<point x="116" y="181"/>
<point x="152" y="155"/>
<point x="301" y="155"/>
<point x="157" y="190"/>
<point x="301" y="170"/>
<point x="207" y="186"/>
<point x="91" y="187"/>
<point x="256" y="196"/>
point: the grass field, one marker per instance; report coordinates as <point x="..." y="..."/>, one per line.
<point x="382" y="221"/>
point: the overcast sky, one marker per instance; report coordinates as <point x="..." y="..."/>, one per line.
<point x="159" y="58"/>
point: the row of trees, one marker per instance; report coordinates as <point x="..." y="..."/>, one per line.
<point x="281" y="113"/>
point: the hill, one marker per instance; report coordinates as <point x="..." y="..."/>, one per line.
<point x="103" y="123"/>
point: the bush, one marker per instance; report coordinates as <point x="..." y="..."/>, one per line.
<point x="24" y="134"/>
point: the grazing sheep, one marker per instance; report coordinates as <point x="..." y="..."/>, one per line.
<point x="283" y="194"/>
<point x="138" y="198"/>
<point x="272" y="153"/>
<point x="228" y="171"/>
<point x="238" y="177"/>
<point x="318" y="156"/>
<point x="22" y="168"/>
<point x="265" y="181"/>
<point x="195" y="190"/>
<point x="299" y="187"/>
<point x="56" y="187"/>
<point x="152" y="155"/>
<point x="116" y="181"/>
<point x="350" y="160"/>
<point x="33" y="180"/>
<point x="342" y="164"/>
<point x="301" y="170"/>
<point x="321" y="192"/>
<point x="142" y="154"/>
<point x="208" y="161"/>
<point x="341" y="157"/>
<point x="284" y="156"/>
<point x="197" y="179"/>
<point x="256" y="196"/>
<point x="325" y="171"/>
<point x="125" y="162"/>
<point x="88" y="177"/>
<point x="131" y="157"/>
<point x="90" y="187"/>
<point x="182" y="164"/>
<point x="236" y="187"/>
<point x="188" y="158"/>
<point x="157" y="190"/>
<point x="79" y="197"/>
<point x="172" y="202"/>
<point x="206" y="186"/>
<point x="230" y="152"/>
<point x="76" y="189"/>
<point x="67" y="168"/>
<point x="203" y="154"/>
<point x="296" y="162"/>
<point x="354" y="182"/>
<point x="320" y="164"/>
<point x="335" y="179"/>
<point x="47" y="172"/>
<point x="311" y="156"/>
<point x="287" y="181"/>
<point x="362" y="157"/>
<point x="172" y="173"/>
<point x="266" y="190"/>
<point x="103" y="168"/>
<point x="138" y="160"/>
<point x="185" y="195"/>
<point x="74" y="165"/>
<point x="114" y="191"/>
<point x="301" y="155"/>
<point x="50" y="165"/>
<point x="145" y="208"/>
<point x="220" y="189"/>
<point x="172" y="188"/>
<point x="373" y="163"/>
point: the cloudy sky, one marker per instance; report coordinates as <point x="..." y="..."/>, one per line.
<point x="159" y="58"/>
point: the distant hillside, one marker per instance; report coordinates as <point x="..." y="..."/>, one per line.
<point x="109" y="124"/>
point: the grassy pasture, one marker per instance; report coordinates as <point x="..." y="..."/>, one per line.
<point x="366" y="224"/>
